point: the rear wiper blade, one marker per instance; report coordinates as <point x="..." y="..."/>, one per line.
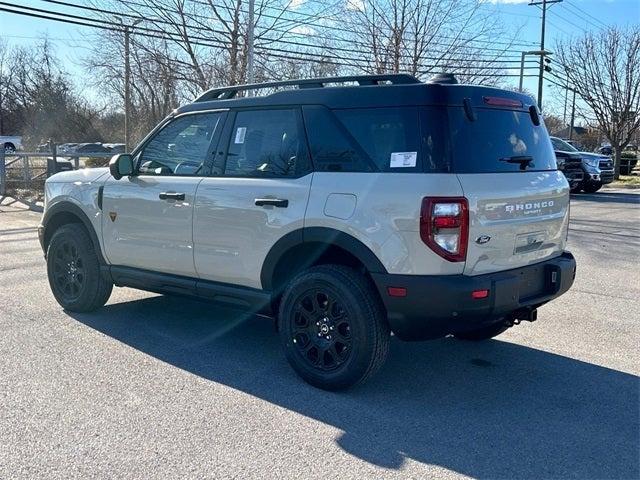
<point x="523" y="160"/>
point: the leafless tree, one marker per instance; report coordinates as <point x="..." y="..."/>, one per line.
<point x="424" y="36"/>
<point x="604" y="69"/>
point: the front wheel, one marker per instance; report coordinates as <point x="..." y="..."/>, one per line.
<point x="592" y="187"/>
<point x="484" y="333"/>
<point x="333" y="327"/>
<point x="74" y="271"/>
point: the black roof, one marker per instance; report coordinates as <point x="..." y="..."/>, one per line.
<point x="359" y="91"/>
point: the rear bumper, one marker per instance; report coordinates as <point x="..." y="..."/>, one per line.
<point x="438" y="305"/>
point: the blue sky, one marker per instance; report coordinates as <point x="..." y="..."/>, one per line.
<point x="571" y="17"/>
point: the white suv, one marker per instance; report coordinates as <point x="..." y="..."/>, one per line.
<point x="348" y="212"/>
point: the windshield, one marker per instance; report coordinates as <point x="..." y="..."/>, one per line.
<point x="562" y="145"/>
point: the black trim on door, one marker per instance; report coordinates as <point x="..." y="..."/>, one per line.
<point x="259" y="301"/>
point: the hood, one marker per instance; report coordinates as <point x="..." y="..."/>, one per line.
<point x="84" y="175"/>
<point x="594" y="155"/>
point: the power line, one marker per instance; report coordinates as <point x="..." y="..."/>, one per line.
<point x="278" y="53"/>
<point x="315" y="25"/>
<point x="585" y="13"/>
<point x="453" y="57"/>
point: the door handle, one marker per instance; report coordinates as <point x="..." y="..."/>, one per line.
<point x="276" y="202"/>
<point x="171" y="196"/>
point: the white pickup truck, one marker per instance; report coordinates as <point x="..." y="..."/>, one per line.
<point x="11" y="143"/>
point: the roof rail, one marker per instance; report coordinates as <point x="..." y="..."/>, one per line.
<point x="226" y="93"/>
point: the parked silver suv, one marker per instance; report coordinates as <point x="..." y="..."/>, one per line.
<point x="348" y="212"/>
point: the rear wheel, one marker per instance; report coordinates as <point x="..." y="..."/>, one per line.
<point x="484" y="333"/>
<point x="74" y="271"/>
<point x="333" y="327"/>
<point x="592" y="187"/>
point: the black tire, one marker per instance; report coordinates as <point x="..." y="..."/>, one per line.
<point x="484" y="333"/>
<point x="333" y="327"/>
<point x="592" y="187"/>
<point x="577" y="189"/>
<point x="9" y="148"/>
<point x="74" y="271"/>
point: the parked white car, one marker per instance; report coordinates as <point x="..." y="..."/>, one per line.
<point x="11" y="143"/>
<point x="346" y="212"/>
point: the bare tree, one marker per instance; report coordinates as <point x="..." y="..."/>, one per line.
<point x="604" y="69"/>
<point x="424" y="36"/>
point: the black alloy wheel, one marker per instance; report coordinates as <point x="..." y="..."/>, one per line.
<point x="321" y="330"/>
<point x="68" y="270"/>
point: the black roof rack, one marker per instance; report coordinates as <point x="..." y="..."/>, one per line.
<point x="225" y="93"/>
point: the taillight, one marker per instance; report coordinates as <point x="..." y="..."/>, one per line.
<point x="444" y="226"/>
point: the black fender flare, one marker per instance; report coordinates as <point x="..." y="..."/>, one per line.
<point x="71" y="208"/>
<point x="323" y="236"/>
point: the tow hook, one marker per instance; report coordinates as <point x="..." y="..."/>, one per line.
<point x="526" y="314"/>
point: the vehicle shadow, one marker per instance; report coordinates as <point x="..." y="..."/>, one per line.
<point x="488" y="410"/>
<point x="607" y="197"/>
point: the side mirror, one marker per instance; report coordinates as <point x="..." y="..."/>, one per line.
<point x="121" y="165"/>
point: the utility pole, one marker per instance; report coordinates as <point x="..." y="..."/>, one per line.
<point x="127" y="85"/>
<point x="573" y="115"/>
<point x="566" y="97"/>
<point x="544" y="4"/>
<point x="250" y="41"/>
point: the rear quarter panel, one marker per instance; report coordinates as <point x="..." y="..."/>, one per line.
<point x="385" y="215"/>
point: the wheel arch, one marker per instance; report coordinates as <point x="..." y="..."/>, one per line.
<point x="64" y="213"/>
<point x="310" y="246"/>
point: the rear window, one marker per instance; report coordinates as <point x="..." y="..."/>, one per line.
<point x="496" y="140"/>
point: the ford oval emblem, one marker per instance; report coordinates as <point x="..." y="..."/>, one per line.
<point x="482" y="239"/>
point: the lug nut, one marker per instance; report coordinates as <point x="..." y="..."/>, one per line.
<point x="331" y="327"/>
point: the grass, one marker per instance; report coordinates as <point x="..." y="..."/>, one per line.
<point x="627" y="181"/>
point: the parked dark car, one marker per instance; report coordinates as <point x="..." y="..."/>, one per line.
<point x="597" y="169"/>
<point x="115" y="147"/>
<point x="570" y="164"/>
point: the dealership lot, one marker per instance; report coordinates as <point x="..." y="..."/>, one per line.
<point x="162" y="387"/>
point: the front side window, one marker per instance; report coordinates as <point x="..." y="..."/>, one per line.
<point x="181" y="147"/>
<point x="266" y="143"/>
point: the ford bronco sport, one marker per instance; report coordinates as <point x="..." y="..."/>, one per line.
<point x="348" y="208"/>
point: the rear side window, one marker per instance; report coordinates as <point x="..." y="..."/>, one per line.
<point x="266" y="143"/>
<point x="389" y="136"/>
<point x="333" y="148"/>
<point x="497" y="140"/>
<point x="393" y="139"/>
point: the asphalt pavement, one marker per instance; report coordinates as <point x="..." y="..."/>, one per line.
<point x="164" y="387"/>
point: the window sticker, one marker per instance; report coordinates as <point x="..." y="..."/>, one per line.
<point x="403" y="159"/>
<point x="240" y="133"/>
